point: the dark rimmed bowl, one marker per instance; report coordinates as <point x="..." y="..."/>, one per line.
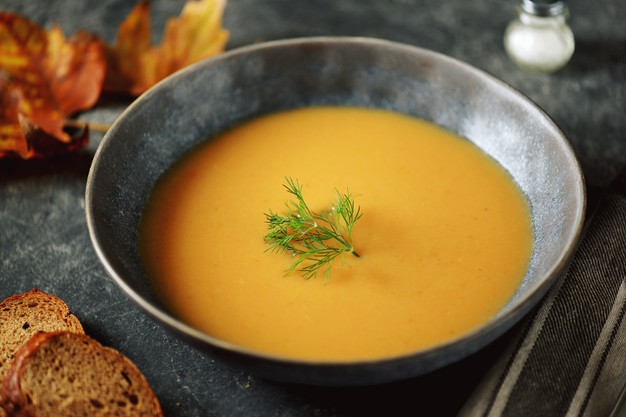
<point x="196" y="103"/>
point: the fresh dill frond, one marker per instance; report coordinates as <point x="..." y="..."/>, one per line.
<point x="314" y="239"/>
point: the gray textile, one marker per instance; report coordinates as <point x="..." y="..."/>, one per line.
<point x="569" y="359"/>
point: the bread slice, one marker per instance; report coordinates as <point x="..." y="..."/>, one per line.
<point x="64" y="374"/>
<point x="23" y="315"/>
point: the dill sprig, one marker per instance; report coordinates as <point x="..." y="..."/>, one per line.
<point x="315" y="240"/>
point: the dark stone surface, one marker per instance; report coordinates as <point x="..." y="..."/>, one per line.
<point x="43" y="235"/>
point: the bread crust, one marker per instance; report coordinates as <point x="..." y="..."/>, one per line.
<point x="111" y="385"/>
<point x="13" y="406"/>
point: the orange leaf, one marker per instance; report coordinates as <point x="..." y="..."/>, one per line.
<point x="136" y="65"/>
<point x="46" y="78"/>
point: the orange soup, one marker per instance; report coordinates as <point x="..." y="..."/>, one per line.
<point x="445" y="238"/>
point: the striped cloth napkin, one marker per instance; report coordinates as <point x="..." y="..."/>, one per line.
<point x="569" y="358"/>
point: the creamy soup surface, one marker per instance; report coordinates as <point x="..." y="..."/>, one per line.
<point x="445" y="238"/>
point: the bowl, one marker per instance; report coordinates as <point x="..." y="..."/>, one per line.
<point x="197" y="103"/>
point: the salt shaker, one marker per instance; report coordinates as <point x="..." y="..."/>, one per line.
<point x="540" y="39"/>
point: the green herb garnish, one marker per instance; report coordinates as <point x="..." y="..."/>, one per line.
<point x="315" y="240"/>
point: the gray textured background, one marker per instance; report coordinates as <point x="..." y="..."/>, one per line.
<point x="43" y="235"/>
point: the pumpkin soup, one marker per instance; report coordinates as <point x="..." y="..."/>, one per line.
<point x="444" y="240"/>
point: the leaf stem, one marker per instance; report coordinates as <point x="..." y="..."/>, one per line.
<point x="81" y="124"/>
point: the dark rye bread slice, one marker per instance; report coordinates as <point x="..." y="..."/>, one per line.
<point x="23" y="315"/>
<point x="65" y="374"/>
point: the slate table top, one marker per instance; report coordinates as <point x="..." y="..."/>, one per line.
<point x="44" y="241"/>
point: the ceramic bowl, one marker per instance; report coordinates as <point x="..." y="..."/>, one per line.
<point x="197" y="103"/>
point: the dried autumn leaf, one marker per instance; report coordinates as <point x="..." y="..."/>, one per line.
<point x="135" y="64"/>
<point x="11" y="138"/>
<point x="42" y="144"/>
<point x="44" y="78"/>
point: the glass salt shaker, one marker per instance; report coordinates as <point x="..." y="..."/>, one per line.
<point x="540" y="39"/>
